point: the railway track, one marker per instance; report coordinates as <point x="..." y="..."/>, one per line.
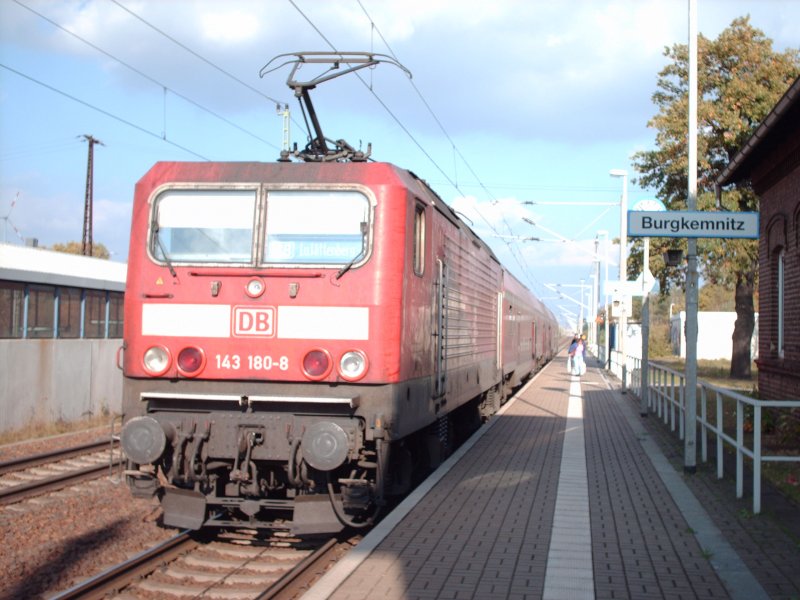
<point x="34" y="475"/>
<point x="230" y="565"/>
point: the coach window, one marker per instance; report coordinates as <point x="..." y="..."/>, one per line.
<point x="419" y="239"/>
<point x="316" y="227"/>
<point x="12" y="308"/>
<point x="204" y="226"/>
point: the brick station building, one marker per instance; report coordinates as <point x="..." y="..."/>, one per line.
<point x="770" y="160"/>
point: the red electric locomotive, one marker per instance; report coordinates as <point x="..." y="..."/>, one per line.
<point x="301" y="338"/>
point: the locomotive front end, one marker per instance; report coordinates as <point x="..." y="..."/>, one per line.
<point x="254" y="385"/>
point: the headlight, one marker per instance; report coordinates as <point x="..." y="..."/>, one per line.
<point x="191" y="361"/>
<point x="353" y="365"/>
<point x="255" y="287"/>
<point x="317" y="364"/>
<point x="156" y="360"/>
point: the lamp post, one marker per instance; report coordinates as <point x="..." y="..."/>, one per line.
<point x="605" y="292"/>
<point x="593" y="310"/>
<point x="623" y="263"/>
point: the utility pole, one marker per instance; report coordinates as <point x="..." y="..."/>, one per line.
<point x="86" y="243"/>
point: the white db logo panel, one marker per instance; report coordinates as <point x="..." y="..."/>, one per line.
<point x="253" y="322"/>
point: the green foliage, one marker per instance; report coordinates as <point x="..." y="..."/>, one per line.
<point x="98" y="250"/>
<point x="740" y="79"/>
<point x="714" y="297"/>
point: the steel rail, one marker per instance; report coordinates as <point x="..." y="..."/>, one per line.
<point x="123" y="574"/>
<point x="302" y="568"/>
<point x="26" y="462"/>
<point x="20" y="492"/>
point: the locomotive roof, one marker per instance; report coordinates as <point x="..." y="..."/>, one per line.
<point x="366" y="173"/>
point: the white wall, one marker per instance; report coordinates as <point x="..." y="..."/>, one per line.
<point x="714" y="335"/>
<point x="44" y="381"/>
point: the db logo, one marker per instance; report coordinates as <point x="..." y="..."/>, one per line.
<point x="249" y="321"/>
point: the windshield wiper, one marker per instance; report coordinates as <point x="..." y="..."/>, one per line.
<point x="349" y="265"/>
<point x="172" y="272"/>
<point x="361" y="253"/>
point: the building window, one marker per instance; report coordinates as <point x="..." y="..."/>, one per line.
<point x="69" y="313"/>
<point x="12" y="309"/>
<point x="41" y="312"/>
<point x="115" y="306"/>
<point x="780" y="312"/>
<point x="94" y="324"/>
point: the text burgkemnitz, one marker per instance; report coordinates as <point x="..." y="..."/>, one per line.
<point x="693" y="224"/>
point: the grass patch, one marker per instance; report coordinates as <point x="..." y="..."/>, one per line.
<point x="41" y="431"/>
<point x="715" y="372"/>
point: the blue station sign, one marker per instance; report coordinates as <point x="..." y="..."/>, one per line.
<point x="692" y="224"/>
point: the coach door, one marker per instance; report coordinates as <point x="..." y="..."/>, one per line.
<point x="440" y="356"/>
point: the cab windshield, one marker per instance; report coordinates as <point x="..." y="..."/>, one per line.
<point x="202" y="226"/>
<point x="316" y="227"/>
<point x="301" y="227"/>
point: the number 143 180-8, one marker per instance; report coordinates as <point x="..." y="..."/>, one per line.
<point x="254" y="362"/>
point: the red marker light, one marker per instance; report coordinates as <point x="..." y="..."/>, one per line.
<point x="191" y="361"/>
<point x="317" y="364"/>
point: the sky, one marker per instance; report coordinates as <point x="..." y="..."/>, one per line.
<point x="515" y="111"/>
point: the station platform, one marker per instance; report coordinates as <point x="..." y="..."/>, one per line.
<point x="568" y="493"/>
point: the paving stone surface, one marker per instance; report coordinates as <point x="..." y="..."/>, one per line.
<point x="485" y="530"/>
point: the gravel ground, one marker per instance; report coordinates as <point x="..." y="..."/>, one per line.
<point x="52" y="542"/>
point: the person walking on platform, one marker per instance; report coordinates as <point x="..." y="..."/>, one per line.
<point x="571" y="351"/>
<point x="578" y="362"/>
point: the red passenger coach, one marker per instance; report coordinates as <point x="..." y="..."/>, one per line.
<point x="301" y="339"/>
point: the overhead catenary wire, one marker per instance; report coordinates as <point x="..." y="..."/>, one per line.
<point x="147" y="77"/>
<point x="203" y="58"/>
<point x="194" y="53"/>
<point x="513" y="250"/>
<point x="102" y="111"/>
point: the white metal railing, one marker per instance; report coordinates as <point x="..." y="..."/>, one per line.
<point x="665" y="398"/>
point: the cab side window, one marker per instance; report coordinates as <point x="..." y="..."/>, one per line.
<point x="419" y="239"/>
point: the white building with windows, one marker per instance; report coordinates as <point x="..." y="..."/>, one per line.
<point x="61" y="318"/>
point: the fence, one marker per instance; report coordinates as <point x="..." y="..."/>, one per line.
<point x="666" y="398"/>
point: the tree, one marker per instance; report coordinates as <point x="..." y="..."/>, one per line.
<point x="98" y="250"/>
<point x="740" y="79"/>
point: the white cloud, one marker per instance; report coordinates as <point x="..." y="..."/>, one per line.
<point x="229" y="27"/>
